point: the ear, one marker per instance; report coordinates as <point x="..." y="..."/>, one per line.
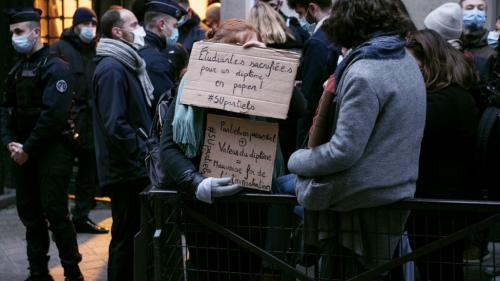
<point x="161" y="24"/>
<point x="311" y="6"/>
<point x="37" y="31"/>
<point x="116" y="32"/>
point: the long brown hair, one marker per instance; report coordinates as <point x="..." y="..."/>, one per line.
<point x="441" y="64"/>
<point x="232" y="31"/>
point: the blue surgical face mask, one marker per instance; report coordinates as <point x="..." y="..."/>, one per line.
<point x="474" y="19"/>
<point x="172" y="39"/>
<point x="306" y="25"/>
<point x="493" y="38"/>
<point x="23" y="44"/>
<point x="87" y="34"/>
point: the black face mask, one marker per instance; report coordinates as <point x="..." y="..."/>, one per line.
<point x="309" y="17"/>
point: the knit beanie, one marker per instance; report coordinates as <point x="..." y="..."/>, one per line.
<point x="83" y="15"/>
<point x="446" y="20"/>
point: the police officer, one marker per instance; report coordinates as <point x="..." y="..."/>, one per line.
<point x="160" y="21"/>
<point x="77" y="46"/>
<point x="191" y="29"/>
<point x="34" y="113"/>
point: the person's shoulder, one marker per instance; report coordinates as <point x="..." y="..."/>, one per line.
<point x="56" y="65"/>
<point x="62" y="43"/>
<point x="457" y="92"/>
<point x="109" y="67"/>
<point x="147" y="51"/>
<point x="382" y="72"/>
<point x="108" y="63"/>
<point x="318" y="38"/>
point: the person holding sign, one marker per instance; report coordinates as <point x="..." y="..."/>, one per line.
<point x="177" y="157"/>
<point x="371" y="156"/>
<point x="180" y="159"/>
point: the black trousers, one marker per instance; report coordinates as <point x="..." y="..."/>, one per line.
<point x="125" y="210"/>
<point x="42" y="185"/>
<point x="85" y="185"/>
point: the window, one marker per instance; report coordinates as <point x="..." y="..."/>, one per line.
<point x="57" y="15"/>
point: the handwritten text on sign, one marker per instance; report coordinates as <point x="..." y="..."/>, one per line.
<point x="240" y="148"/>
<point x="254" y="81"/>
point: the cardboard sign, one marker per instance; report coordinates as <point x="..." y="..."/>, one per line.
<point x="253" y="81"/>
<point x="240" y="148"/>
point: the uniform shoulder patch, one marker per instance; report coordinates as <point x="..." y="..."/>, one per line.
<point x="61" y="86"/>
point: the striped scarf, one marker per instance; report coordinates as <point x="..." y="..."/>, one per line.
<point x="130" y="58"/>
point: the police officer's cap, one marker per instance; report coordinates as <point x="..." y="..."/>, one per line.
<point x="22" y="15"/>
<point x="168" y="7"/>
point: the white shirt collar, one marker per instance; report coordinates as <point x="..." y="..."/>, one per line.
<point x="319" y="24"/>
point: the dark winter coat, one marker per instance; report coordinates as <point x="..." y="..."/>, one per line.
<point x="35" y="107"/>
<point x="80" y="57"/>
<point x="447" y="153"/>
<point x="157" y="65"/>
<point x="300" y="35"/>
<point x="318" y="62"/>
<point x="191" y="31"/>
<point x="119" y="112"/>
<point x="476" y="43"/>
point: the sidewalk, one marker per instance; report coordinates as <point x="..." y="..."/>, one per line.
<point x="13" y="261"/>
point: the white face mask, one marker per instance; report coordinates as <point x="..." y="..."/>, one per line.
<point x="87" y="34"/>
<point x="23" y="44"/>
<point x="493" y="38"/>
<point x="139" y="34"/>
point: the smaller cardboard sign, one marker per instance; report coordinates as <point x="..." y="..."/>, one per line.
<point x="240" y="148"/>
<point x="253" y="81"/>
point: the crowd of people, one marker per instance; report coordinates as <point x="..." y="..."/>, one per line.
<point x="380" y="112"/>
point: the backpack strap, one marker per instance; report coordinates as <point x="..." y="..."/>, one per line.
<point x="157" y="124"/>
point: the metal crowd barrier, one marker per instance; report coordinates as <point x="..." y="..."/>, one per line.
<point x="253" y="236"/>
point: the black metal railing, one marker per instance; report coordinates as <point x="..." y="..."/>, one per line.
<point x="236" y="239"/>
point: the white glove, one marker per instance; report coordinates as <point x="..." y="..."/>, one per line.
<point x="216" y="187"/>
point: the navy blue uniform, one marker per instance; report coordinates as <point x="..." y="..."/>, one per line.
<point x="80" y="56"/>
<point x="34" y="112"/>
<point x="157" y="65"/>
<point x="318" y="62"/>
<point x="120" y="112"/>
<point x="191" y="31"/>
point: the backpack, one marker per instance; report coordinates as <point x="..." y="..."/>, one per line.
<point x="152" y="159"/>
<point x="488" y="142"/>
